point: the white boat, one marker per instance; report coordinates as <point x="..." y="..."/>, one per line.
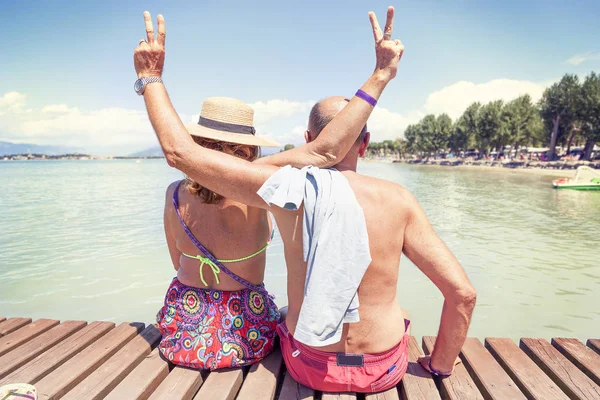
<point x="585" y="179"/>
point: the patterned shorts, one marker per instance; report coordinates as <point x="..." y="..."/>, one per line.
<point x="211" y="329"/>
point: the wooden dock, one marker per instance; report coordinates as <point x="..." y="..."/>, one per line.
<point x="80" y="360"/>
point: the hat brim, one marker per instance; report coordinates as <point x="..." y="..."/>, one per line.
<point x="238" y="138"/>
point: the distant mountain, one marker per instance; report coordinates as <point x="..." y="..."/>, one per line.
<point x="151" y="152"/>
<point x="7" y="148"/>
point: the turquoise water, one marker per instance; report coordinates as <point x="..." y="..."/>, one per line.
<point x="84" y="240"/>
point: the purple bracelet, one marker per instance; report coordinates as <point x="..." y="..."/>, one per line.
<point x="436" y="372"/>
<point x="366" y="97"/>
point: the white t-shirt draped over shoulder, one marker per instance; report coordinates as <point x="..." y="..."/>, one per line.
<point x="335" y="244"/>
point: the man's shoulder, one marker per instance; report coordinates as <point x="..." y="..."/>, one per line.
<point x="390" y="192"/>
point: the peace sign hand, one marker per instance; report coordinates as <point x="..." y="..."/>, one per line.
<point x="388" y="51"/>
<point x="149" y="55"/>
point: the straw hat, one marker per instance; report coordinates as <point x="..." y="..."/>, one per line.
<point x="228" y="120"/>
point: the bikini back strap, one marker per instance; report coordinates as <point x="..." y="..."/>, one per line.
<point x="208" y="254"/>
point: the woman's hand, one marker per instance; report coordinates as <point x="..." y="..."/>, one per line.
<point x="149" y="55"/>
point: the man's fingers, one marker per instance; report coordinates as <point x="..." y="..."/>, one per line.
<point x="162" y="33"/>
<point x="377" y="34"/>
<point x="424" y="362"/>
<point x="149" y="27"/>
<point x="389" y="24"/>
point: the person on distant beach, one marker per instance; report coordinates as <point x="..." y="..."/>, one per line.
<point x="365" y="348"/>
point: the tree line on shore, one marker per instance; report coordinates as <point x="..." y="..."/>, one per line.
<point x="567" y="114"/>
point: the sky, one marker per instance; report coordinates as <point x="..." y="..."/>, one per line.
<point x="67" y="67"/>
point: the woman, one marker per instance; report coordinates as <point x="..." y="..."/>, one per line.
<point x="217" y="313"/>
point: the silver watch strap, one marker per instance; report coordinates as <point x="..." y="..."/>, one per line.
<point x="148" y="80"/>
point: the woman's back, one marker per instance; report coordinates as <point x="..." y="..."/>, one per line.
<point x="227" y="229"/>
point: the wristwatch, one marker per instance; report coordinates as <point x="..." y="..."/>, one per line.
<point x="140" y="84"/>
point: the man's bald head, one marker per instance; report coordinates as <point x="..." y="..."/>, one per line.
<point x="324" y="111"/>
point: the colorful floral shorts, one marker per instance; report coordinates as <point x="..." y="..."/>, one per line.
<point x="211" y="329"/>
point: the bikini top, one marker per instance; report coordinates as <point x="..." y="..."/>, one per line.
<point x="216" y="265"/>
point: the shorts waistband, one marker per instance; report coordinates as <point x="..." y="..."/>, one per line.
<point x="331" y="357"/>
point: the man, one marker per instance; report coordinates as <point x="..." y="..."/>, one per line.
<point x="394" y="220"/>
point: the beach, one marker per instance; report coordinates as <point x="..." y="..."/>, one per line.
<point x="567" y="171"/>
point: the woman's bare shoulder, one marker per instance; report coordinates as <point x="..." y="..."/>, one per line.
<point x="171" y="189"/>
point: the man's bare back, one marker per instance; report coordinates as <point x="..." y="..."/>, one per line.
<point x="396" y="224"/>
<point x="386" y="206"/>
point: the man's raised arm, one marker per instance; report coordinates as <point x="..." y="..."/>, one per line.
<point x="334" y="142"/>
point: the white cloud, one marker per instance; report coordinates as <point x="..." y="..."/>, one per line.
<point x="57" y="108"/>
<point x="385" y="124"/>
<point x="293" y="136"/>
<point x="12" y="102"/>
<point x="266" y="111"/>
<point x="68" y="126"/>
<point x="299" y="130"/>
<point x="580" y="58"/>
<point x="454" y="99"/>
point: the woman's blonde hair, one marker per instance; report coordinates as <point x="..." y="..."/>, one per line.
<point x="243" y="151"/>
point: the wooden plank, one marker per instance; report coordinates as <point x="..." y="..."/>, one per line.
<point x="583" y="357"/>
<point x="460" y="385"/>
<point x="417" y="383"/>
<point x="488" y="375"/>
<point x="566" y="375"/>
<point x="143" y="380"/>
<point x="292" y="390"/>
<point x="338" y="396"/>
<point x="25" y="353"/>
<point x="222" y="384"/>
<point x="261" y="381"/>
<point x="594" y="344"/>
<point x="12" y="324"/>
<point x="527" y="375"/>
<point x="181" y="383"/>
<point x="104" y="379"/>
<point x="20" y="336"/>
<point x="68" y="375"/>
<point x="390" y="394"/>
<point x="51" y="359"/>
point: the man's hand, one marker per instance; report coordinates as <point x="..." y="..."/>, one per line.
<point x="424" y="361"/>
<point x="387" y="50"/>
<point x="149" y="56"/>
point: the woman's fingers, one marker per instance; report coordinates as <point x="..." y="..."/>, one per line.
<point x="162" y="32"/>
<point x="149" y="27"/>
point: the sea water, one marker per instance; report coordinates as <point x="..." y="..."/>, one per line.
<point x="84" y="240"/>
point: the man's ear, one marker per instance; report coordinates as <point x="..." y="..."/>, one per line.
<point x="307" y="137"/>
<point x="364" y="145"/>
